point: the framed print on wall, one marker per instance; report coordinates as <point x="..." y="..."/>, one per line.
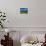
<point x="23" y="10"/>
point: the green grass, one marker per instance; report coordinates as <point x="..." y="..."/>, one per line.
<point x="23" y="12"/>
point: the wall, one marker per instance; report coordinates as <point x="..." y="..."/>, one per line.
<point x="35" y="18"/>
<point x="38" y="13"/>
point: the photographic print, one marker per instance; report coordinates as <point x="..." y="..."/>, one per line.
<point x="23" y="10"/>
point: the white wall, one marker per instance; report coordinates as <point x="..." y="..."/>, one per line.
<point x="12" y="8"/>
<point x="39" y="13"/>
<point x="35" y="18"/>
